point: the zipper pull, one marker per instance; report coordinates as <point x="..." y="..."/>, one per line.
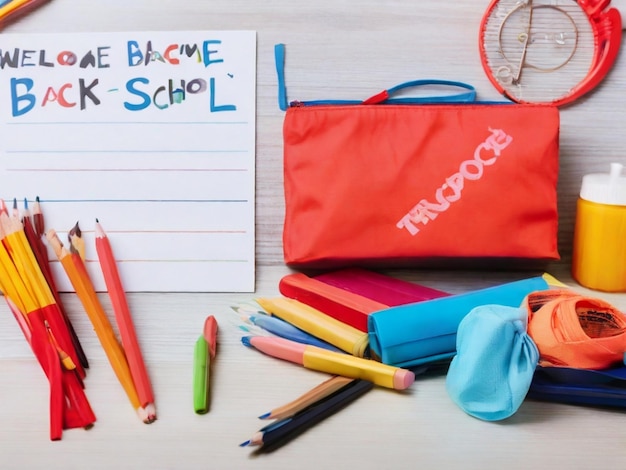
<point x="377" y="98"/>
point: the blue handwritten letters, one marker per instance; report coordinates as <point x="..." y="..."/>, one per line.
<point x="141" y="91"/>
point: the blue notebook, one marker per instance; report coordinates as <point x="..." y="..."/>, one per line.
<point x="579" y="386"/>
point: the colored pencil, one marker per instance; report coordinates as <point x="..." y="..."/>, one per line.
<point x="283" y="329"/>
<point x="124" y="319"/>
<point x="79" y="278"/>
<point x="326" y="388"/>
<point x="31" y="302"/>
<point x="281" y="432"/>
<point x="333" y="331"/>
<point x="38" y="219"/>
<point x="322" y="360"/>
<point x="16" y="9"/>
<point x="31" y="273"/>
<point x="75" y="238"/>
<point x="33" y="229"/>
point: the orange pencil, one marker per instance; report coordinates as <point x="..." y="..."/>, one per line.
<point x="124" y="322"/>
<point x="77" y="274"/>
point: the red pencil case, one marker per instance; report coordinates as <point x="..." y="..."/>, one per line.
<point x="424" y="181"/>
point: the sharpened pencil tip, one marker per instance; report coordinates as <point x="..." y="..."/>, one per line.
<point x="246" y="341"/>
<point x="265" y="415"/>
<point x="245" y="444"/>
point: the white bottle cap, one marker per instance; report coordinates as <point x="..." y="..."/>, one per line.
<point x="605" y="188"/>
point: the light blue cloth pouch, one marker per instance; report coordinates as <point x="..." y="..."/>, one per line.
<point x="492" y="371"/>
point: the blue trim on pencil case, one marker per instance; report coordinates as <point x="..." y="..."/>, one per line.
<point x="279" y="59"/>
<point x="468" y="96"/>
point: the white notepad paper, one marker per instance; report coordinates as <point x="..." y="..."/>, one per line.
<point x="153" y="134"/>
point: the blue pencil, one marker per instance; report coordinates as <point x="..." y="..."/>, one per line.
<point x="286" y="330"/>
<point x="274" y="435"/>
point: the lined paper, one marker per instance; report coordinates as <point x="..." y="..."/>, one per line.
<point x="153" y="134"/>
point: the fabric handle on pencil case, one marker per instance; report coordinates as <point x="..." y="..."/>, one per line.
<point x="467" y="93"/>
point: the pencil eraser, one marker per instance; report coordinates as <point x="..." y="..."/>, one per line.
<point x="403" y="379"/>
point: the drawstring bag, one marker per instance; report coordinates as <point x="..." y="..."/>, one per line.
<point x="492" y="371"/>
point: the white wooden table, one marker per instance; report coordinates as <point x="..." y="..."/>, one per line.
<point x="336" y="49"/>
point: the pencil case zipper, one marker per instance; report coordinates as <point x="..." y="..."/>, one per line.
<point x="467" y="95"/>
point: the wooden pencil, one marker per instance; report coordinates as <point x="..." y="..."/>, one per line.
<point x="44" y="351"/>
<point x="124" y="321"/>
<point x="77" y="274"/>
<point x="41" y="255"/>
<point x="275" y="435"/>
<point x="326" y="388"/>
<point x="16" y="9"/>
<point x="75" y="238"/>
<point x="38" y="219"/>
<point x="31" y="274"/>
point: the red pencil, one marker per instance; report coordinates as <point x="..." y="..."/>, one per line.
<point x="125" y="323"/>
<point x="33" y="235"/>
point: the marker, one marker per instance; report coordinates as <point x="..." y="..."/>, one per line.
<point x="204" y="352"/>
<point x="322" y="360"/>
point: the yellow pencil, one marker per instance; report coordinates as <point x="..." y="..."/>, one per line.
<point x="74" y="268"/>
<point x="33" y="278"/>
<point x="11" y="7"/>
<point x="313" y="321"/>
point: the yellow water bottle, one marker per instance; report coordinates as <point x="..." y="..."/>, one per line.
<point x="599" y="257"/>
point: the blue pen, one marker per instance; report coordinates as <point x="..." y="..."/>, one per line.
<point x="286" y="330"/>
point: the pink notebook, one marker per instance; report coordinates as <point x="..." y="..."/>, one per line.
<point x="381" y="288"/>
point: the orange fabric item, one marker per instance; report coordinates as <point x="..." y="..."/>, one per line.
<point x="420" y="185"/>
<point x="576" y="331"/>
